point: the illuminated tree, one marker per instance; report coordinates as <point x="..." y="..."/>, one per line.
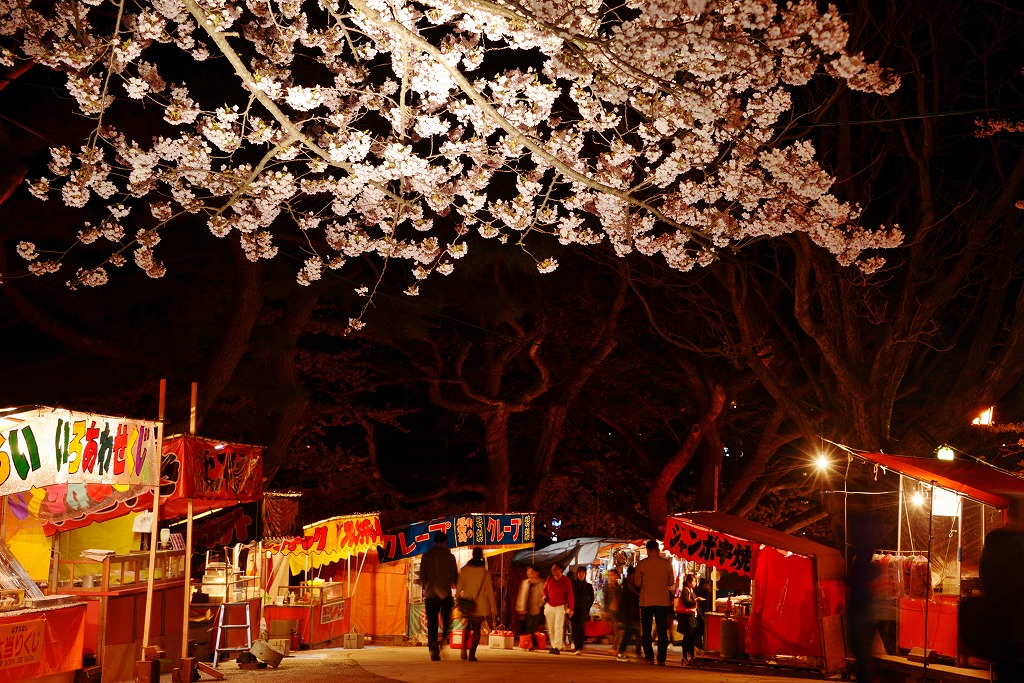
<point x="400" y="128"/>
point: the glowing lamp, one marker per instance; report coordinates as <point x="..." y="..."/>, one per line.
<point x="985" y="418"/>
<point x="918" y="498"/>
<point x="944" y="453"/>
<point x="822" y="462"/>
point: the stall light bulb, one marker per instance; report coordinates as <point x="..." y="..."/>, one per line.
<point x="822" y="462"/>
<point x="918" y="498"/>
<point x="944" y="453"/>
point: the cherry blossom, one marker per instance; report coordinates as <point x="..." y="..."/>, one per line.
<point x="405" y="129"/>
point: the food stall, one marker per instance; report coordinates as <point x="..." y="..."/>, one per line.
<point x="49" y="458"/>
<point x="320" y="605"/>
<point x="797" y="590"/>
<point x="495" y="533"/>
<point x="98" y="557"/>
<point x="956" y="503"/>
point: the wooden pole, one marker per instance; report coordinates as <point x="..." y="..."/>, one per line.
<point x="188" y="540"/>
<point x="156" y="514"/>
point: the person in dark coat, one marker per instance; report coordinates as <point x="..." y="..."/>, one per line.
<point x="439" y="574"/>
<point x="583" y="599"/>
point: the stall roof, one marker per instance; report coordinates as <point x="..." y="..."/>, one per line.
<point x="571" y="551"/>
<point x="973" y="479"/>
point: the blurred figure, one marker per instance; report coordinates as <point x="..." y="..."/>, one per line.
<point x="530" y="603"/>
<point x="1003" y="599"/>
<point x="629" y="613"/>
<point x="862" y="604"/>
<point x="612" y="599"/>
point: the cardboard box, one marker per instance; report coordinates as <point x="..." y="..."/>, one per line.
<point x="282" y="645"/>
<point x="353" y="641"/>
<point x="500" y="641"/>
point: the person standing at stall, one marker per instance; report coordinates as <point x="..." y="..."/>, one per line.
<point x="685" y="608"/>
<point x="439" y="574"/>
<point x="655" y="578"/>
<point x="530" y="603"/>
<point x="583" y="599"/>
<point x="476" y="601"/>
<point x="558" y="605"/>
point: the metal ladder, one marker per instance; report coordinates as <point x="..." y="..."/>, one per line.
<point x="221" y="627"/>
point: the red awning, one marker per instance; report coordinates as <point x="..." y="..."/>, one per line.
<point x="976" y="480"/>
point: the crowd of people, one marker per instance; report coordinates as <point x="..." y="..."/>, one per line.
<point x="641" y="603"/>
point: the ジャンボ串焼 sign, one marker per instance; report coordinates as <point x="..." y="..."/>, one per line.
<point x="711" y="548"/>
<point x="40" y="447"/>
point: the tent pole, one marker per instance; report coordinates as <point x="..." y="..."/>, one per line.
<point x="928" y="586"/>
<point x="155" y="528"/>
<point x="188" y="582"/>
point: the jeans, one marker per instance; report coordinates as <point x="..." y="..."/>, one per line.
<point x="659" y="614"/>
<point x="435" y="607"/>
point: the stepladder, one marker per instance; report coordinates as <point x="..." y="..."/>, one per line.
<point x="223" y="643"/>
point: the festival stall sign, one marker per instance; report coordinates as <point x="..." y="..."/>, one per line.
<point x="709" y="547"/>
<point x="509" y="531"/>
<point x="329" y="541"/>
<point x="73" y="451"/>
<point x="214" y="474"/>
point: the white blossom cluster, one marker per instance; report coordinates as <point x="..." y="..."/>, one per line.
<point x="401" y="128"/>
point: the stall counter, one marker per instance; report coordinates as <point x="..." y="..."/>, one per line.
<point x="42" y="645"/>
<point x="322" y="612"/>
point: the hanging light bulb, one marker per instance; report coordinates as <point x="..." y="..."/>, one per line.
<point x="822" y="462"/>
<point x="944" y="452"/>
<point x="918" y="498"/>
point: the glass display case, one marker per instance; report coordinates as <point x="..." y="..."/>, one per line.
<point x="95" y="571"/>
<point x="310" y="594"/>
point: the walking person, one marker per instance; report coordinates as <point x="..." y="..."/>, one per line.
<point x="439" y="574"/>
<point x="629" y="613"/>
<point x="655" y="579"/>
<point x="530" y="603"/>
<point x="685" y="608"/>
<point x="582" y="599"/>
<point x="558" y="604"/>
<point x="476" y="601"/>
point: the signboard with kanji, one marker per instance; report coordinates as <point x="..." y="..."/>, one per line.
<point x="711" y="548"/>
<point x="473" y="529"/>
<point x="42" y="447"/>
